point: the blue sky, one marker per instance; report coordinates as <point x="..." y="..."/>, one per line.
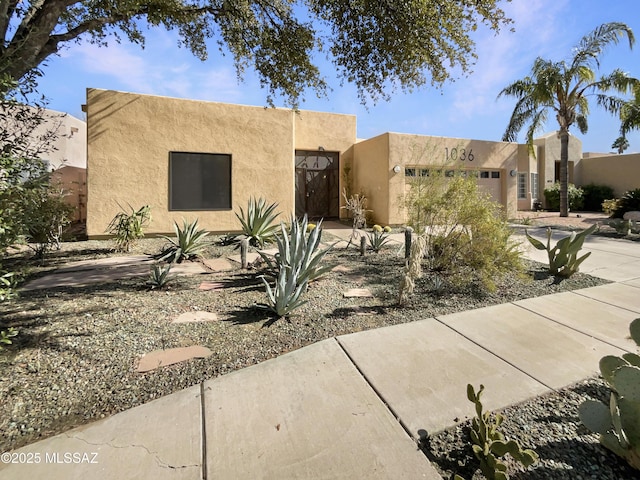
<point x="466" y="108"/>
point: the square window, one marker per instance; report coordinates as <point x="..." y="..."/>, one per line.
<point x="199" y="181"/>
<point x="484" y="174"/>
<point x="495" y="174"/>
<point x="409" y="172"/>
<point x="424" y="172"/>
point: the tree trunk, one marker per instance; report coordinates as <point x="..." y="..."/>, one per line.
<point x="564" y="173"/>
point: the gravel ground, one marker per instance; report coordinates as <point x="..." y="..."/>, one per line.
<point x="549" y="425"/>
<point x="74" y="359"/>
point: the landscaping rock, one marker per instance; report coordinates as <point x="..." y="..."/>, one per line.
<point x="218" y="264"/>
<point x="632" y="215"/>
<point x="358" y="292"/>
<point x="162" y="358"/>
<point x="195" y="317"/>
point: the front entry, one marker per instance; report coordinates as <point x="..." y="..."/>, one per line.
<point x="317" y="184"/>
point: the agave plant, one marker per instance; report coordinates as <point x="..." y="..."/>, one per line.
<point x="258" y="221"/>
<point x="378" y="238"/>
<point x="159" y="276"/>
<point x="298" y="252"/>
<point x="286" y="295"/>
<point x="188" y="244"/>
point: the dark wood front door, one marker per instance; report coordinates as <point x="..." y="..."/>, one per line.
<point x="317" y="184"/>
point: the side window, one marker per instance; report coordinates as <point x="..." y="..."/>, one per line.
<point x="199" y="181"/>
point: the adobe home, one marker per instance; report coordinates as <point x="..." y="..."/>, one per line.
<point x="194" y="159"/>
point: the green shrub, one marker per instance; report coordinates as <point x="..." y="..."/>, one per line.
<point x="188" y="243"/>
<point x="609" y="206"/>
<point x="552" y="196"/>
<point x="619" y="423"/>
<point x="629" y="202"/>
<point x="466" y="235"/>
<point x="45" y="214"/>
<point x="594" y="195"/>
<point x="7" y="285"/>
<point x="489" y="444"/>
<point x="563" y="257"/>
<point x="6" y="336"/>
<point x="258" y="221"/>
<point x="128" y="227"/>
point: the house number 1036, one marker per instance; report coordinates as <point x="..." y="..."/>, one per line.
<point x="459" y="154"/>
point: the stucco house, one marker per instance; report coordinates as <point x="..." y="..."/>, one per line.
<point x="204" y="160"/>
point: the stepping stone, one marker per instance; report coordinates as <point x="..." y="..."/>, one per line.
<point x="210" y="286"/>
<point x="218" y="264"/>
<point x="358" y="292"/>
<point x="108" y="262"/>
<point x="189" y="317"/>
<point x="162" y="358"/>
<point x="342" y="269"/>
<point x="187" y="268"/>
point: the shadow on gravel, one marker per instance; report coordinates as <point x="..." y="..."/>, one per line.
<point x="248" y="315"/>
<point x="243" y="282"/>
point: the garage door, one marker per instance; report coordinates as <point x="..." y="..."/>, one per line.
<point x="490" y="182"/>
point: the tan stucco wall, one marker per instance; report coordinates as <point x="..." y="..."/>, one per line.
<point x="371" y="175"/>
<point x="387" y="188"/>
<point x="620" y="172"/>
<point x="334" y="133"/>
<point x="130" y="137"/>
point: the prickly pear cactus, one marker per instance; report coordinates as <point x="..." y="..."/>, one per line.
<point x="489" y="445"/>
<point x="619" y="423"/>
<point x="563" y="257"/>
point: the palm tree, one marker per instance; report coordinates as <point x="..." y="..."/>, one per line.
<point x="564" y="87"/>
<point x="621" y="144"/>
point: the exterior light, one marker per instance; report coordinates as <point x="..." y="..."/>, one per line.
<point x="397" y="169"/>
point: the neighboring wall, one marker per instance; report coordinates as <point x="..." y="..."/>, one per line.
<point x="620" y="172"/>
<point x="130" y="137"/>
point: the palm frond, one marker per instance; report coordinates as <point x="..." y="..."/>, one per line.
<point x="592" y="45"/>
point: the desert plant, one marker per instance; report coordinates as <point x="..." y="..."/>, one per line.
<point x="188" y="243"/>
<point x="489" y="444"/>
<point x="6" y="336"/>
<point x="45" y="214"/>
<point x="7" y="285"/>
<point x="619" y="423"/>
<point x="127" y="227"/>
<point x="159" y="276"/>
<point x="624" y="227"/>
<point x="629" y="202"/>
<point x="377" y="238"/>
<point x="412" y="269"/>
<point x="286" y="295"/>
<point x="594" y="195"/>
<point x="299" y="253"/>
<point x="356" y="205"/>
<point x="563" y="257"/>
<point x="552" y="197"/>
<point x="466" y="234"/>
<point x="609" y="206"/>
<point x="258" y="221"/>
<point x="297" y="263"/>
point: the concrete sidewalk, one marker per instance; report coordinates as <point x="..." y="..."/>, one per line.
<point x="356" y="405"/>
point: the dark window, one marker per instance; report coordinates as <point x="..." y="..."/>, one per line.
<point x="199" y="181"/>
<point x="409" y="172"/>
<point x="484" y="174"/>
<point x="495" y="174"/>
<point x="424" y="172"/>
